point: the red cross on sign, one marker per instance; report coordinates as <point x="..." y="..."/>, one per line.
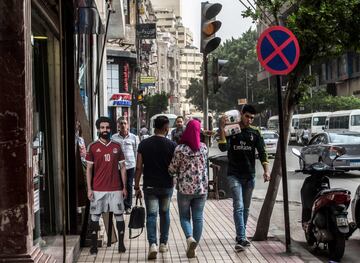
<point x="278" y="50"/>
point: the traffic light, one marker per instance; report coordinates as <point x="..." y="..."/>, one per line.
<point x="218" y="80"/>
<point x="209" y="26"/>
<point x="140" y="96"/>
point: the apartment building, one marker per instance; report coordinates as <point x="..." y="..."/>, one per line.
<point x="190" y="67"/>
<point x="168" y="66"/>
<point x="190" y="57"/>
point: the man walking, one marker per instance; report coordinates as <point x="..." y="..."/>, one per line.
<point x="241" y="168"/>
<point x="129" y="144"/>
<point x="153" y="159"/>
<point x="103" y="158"/>
<point x="176" y="133"/>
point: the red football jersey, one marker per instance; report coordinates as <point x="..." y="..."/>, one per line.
<point x="106" y="159"/>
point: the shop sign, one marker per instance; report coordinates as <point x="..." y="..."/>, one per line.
<point x="120" y="100"/>
<point x="147" y="80"/>
<point x="146" y="31"/>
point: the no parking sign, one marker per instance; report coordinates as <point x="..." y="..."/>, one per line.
<point x="278" y="50"/>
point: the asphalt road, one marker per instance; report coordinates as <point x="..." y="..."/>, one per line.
<point x="348" y="181"/>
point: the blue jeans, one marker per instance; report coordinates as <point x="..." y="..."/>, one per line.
<point x="195" y="204"/>
<point x="129" y="187"/>
<point x="241" y="190"/>
<point x="157" y="200"/>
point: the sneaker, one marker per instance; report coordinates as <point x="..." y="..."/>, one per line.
<point x="93" y="250"/>
<point x="245" y="243"/>
<point x="152" y="251"/>
<point x="239" y="247"/>
<point x="191" y="247"/>
<point x="121" y="248"/>
<point x="163" y="248"/>
<point x="127" y="211"/>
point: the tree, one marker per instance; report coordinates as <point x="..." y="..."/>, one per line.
<point x="241" y="69"/>
<point x="155" y="104"/>
<point x="322" y="101"/>
<point x="324" y="28"/>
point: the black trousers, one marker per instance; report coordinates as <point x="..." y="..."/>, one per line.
<point x="130" y="173"/>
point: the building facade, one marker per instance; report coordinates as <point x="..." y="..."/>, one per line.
<point x="190" y="57"/>
<point x="49" y="55"/>
<point x="190" y="68"/>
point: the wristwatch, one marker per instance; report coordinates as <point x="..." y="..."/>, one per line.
<point x="136" y="188"/>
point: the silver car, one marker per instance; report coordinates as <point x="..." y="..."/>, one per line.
<point x="271" y="139"/>
<point x="320" y="149"/>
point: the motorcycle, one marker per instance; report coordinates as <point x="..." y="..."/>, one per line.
<point x="324" y="209"/>
<point x="355" y="208"/>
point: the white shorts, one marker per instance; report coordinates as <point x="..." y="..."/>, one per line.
<point x="111" y="201"/>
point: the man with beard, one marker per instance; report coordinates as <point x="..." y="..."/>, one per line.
<point x="104" y="188"/>
<point x="176" y="133"/>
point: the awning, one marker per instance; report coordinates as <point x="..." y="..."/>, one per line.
<point x="116" y="28"/>
<point x="88" y="19"/>
<point x="121" y="53"/>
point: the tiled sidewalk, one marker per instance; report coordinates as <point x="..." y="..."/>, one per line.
<point x="216" y="245"/>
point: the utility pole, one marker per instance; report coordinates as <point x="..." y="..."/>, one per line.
<point x="206" y="97"/>
<point x="246" y="87"/>
<point x="138" y="67"/>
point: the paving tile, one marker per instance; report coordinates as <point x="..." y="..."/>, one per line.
<point x="216" y="246"/>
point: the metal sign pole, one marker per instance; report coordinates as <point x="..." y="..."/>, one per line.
<point x="283" y="165"/>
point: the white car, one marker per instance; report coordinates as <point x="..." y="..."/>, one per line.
<point x="271" y="139"/>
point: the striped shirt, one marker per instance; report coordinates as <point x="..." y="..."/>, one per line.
<point x="129" y="146"/>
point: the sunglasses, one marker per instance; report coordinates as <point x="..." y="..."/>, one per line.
<point x="123" y="123"/>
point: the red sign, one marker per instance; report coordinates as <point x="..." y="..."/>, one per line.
<point x="278" y="50"/>
<point x="126" y="76"/>
<point x="121" y="96"/>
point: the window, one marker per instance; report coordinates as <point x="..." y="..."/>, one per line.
<point x="355" y="120"/>
<point x="357" y="63"/>
<point x="345" y="138"/>
<point x="113" y="78"/>
<point x="305" y="123"/>
<point x="319" y="121"/>
<point x="341" y="65"/>
<point x="295" y="122"/>
<point x="270" y="136"/>
<point x="127" y="11"/>
<point x="341" y="122"/>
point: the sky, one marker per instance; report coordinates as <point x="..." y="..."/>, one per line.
<point x="233" y="24"/>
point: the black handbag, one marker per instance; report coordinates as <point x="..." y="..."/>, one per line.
<point x="137" y="218"/>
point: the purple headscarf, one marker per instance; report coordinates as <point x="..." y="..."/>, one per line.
<point x="191" y="135"/>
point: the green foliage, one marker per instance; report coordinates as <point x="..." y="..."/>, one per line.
<point x="155" y="104"/>
<point x="242" y="68"/>
<point x="322" y="101"/>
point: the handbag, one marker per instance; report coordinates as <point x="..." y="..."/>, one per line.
<point x="137" y="218"/>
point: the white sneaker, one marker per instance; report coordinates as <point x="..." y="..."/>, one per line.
<point x="191" y="247"/>
<point x="163" y="248"/>
<point x="153" y="251"/>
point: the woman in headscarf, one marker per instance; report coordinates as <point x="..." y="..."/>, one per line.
<point x="189" y="167"/>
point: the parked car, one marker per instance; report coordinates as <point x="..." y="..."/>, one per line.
<point x="320" y="149"/>
<point x="271" y="139"/>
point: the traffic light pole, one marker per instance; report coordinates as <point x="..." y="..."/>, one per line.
<point x="206" y="97"/>
<point x="138" y="67"/>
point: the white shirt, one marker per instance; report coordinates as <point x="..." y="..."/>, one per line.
<point x="129" y="146"/>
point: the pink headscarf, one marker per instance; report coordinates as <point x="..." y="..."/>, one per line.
<point x="191" y="135"/>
